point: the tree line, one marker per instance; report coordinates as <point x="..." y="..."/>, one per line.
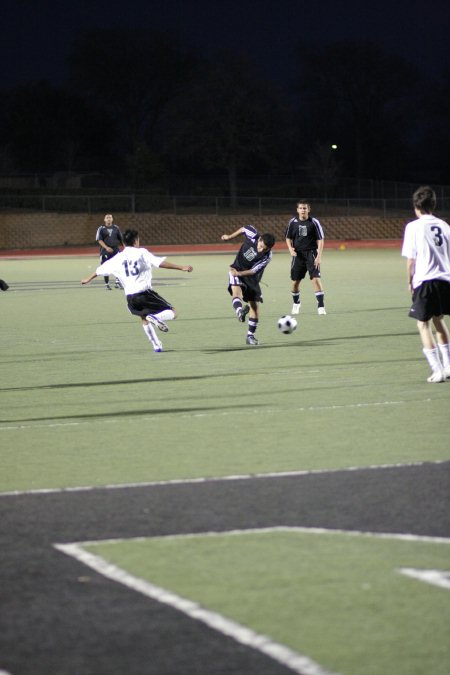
<point x="139" y="104"/>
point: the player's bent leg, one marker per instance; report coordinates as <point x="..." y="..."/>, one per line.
<point x="152" y="319"/>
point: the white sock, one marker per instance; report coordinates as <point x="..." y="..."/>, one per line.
<point x="445" y="354"/>
<point x="165" y="315"/>
<point x="151" y="333"/>
<point x="432" y="356"/>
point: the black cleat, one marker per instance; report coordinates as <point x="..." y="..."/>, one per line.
<point x="243" y="313"/>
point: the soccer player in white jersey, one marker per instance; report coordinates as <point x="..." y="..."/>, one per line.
<point x="133" y="267"/>
<point x="426" y="246"/>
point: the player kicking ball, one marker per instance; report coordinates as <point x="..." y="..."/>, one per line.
<point x="245" y="275"/>
<point x="133" y="267"/>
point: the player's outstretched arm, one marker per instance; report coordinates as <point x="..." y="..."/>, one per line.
<point x="172" y="266"/>
<point x="88" y="279"/>
<point x="225" y="237"/>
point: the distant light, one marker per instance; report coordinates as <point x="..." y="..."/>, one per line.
<point x="334" y="146"/>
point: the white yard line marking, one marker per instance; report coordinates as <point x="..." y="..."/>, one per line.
<point x="122" y="417"/>
<point x="397" y="536"/>
<point x="298" y="663"/>
<point x="435" y="577"/>
<point x="215" y="479"/>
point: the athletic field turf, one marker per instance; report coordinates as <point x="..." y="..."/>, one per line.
<point x="219" y="508"/>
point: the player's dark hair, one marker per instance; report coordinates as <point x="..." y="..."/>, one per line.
<point x="303" y="201"/>
<point x="268" y="239"/>
<point x="130" y="236"/>
<point x="424" y="199"/>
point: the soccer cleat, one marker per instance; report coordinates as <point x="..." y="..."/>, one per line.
<point x="447" y="373"/>
<point x="242" y="313"/>
<point x="436" y="376"/>
<point x="108" y="287"/>
<point x="158" y="323"/>
<point x="118" y="284"/>
<point x="251" y="340"/>
<point x="321" y="311"/>
<point x="157" y="347"/>
<point x="296" y="308"/>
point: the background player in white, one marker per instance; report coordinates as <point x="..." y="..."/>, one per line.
<point x="305" y="239"/>
<point x="426" y="245"/>
<point x="133" y="267"/>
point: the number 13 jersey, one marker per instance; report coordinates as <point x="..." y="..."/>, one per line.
<point x="133" y="268"/>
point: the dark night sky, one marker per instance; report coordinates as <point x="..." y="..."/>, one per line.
<point x="35" y="35"/>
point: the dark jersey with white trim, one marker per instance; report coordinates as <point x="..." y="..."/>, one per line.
<point x="111" y="236"/>
<point x="304" y="233"/>
<point x="248" y="257"/>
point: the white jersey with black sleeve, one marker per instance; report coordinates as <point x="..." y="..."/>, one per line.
<point x="427" y="242"/>
<point x="133" y="268"/>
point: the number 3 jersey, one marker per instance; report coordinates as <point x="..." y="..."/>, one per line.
<point x="133" y="267"/>
<point x="427" y="241"/>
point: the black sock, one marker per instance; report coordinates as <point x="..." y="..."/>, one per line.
<point x="252" y="326"/>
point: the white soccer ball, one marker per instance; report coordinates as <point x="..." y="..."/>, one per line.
<point x="287" y="324"/>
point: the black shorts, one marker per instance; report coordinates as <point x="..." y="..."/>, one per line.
<point x="147" y="302"/>
<point x="249" y="285"/>
<point x="304" y="262"/>
<point x="431" y="298"/>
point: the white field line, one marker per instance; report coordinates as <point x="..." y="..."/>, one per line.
<point x="298" y="663"/>
<point x="396" y="536"/>
<point x="214" y="413"/>
<point x="215" y="479"/>
<point x="435" y="577"/>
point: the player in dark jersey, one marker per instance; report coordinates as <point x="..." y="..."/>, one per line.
<point x="305" y="239"/>
<point x="109" y="238"/>
<point x="245" y="274"/>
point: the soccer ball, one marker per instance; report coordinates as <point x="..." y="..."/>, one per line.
<point x="287" y="324"/>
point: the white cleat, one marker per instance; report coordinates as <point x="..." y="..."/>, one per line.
<point x="321" y="311"/>
<point x="158" y="323"/>
<point x="436" y="376"/>
<point x="447" y="373"/>
<point x="296" y="308"/>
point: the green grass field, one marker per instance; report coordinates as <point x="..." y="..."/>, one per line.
<point x="86" y="402"/>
